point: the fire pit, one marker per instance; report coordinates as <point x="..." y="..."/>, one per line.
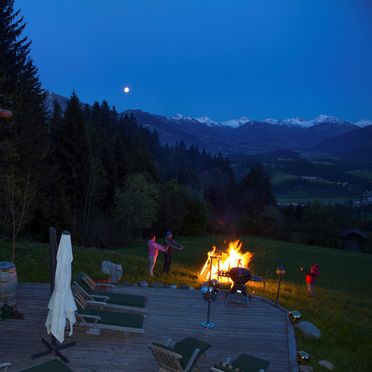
<point x="230" y="267"/>
<point x="220" y="262"/>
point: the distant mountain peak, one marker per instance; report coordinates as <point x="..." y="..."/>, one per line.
<point x="181" y="117"/>
<point x="235" y="123"/>
<point x="297" y="121"/>
<point x="327" y="119"/>
<point x="272" y="121"/>
<point x="363" y="123"/>
<point x="207" y="121"/>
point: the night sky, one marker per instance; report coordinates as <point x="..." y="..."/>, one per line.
<point x="217" y="58"/>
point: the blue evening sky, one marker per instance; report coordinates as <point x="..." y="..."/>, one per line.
<point x="217" y="58"/>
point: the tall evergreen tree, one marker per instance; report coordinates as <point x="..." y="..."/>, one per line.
<point x="20" y="88"/>
<point x="26" y="136"/>
<point x="73" y="158"/>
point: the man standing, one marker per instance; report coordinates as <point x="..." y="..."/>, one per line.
<point x="153" y="250"/>
<point x="172" y="245"/>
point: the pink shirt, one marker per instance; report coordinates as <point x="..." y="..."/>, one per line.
<point x="154" y="248"/>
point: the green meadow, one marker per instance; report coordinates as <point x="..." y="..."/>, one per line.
<point x="342" y="310"/>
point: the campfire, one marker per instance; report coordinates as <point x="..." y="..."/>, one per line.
<point x="220" y="262"/>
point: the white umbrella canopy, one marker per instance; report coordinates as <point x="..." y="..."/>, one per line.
<point x="61" y="304"/>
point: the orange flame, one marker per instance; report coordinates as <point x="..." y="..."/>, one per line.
<point x="224" y="261"/>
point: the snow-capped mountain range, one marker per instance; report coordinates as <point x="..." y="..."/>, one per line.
<point x="321" y="135"/>
<point x="247" y="136"/>
<point x="297" y="121"/>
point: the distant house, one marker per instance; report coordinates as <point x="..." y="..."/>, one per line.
<point x="354" y="240"/>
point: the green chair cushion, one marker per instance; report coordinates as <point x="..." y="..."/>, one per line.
<point x="124" y="299"/>
<point x="186" y="348"/>
<point x="245" y="363"/>
<point x="54" y="365"/>
<point x="114" y="318"/>
<point x="114" y="298"/>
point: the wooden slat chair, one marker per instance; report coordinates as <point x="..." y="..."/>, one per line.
<point x="55" y="365"/>
<point x="182" y="357"/>
<point x="97" y="319"/>
<point x="243" y="363"/>
<point x="119" y="301"/>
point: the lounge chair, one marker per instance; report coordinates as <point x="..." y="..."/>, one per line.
<point x="117" y="301"/>
<point x="55" y="365"/>
<point x="243" y="363"/>
<point x="183" y="356"/>
<point x="96" y="320"/>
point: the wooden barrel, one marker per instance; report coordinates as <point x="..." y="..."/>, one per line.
<point x="8" y="283"/>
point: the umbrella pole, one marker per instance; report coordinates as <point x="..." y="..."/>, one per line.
<point x="52" y="347"/>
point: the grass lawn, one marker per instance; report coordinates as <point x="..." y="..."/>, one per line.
<point x="342" y="310"/>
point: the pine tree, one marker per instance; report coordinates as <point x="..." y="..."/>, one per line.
<point x="20" y="88"/>
<point x="26" y="135"/>
<point x="73" y="159"/>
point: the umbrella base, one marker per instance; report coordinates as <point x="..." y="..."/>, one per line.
<point x="53" y="348"/>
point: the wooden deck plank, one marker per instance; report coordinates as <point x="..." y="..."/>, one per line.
<point x="259" y="329"/>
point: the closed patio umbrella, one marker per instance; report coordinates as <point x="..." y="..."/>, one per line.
<point x="62" y="305"/>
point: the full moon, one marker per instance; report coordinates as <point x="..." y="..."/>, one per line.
<point x="126" y="89"/>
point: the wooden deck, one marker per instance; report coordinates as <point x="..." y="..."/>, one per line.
<point x="259" y="329"/>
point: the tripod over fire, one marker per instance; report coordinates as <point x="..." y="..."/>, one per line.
<point x="219" y="263"/>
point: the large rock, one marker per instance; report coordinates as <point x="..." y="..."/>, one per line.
<point x="143" y="284"/>
<point x="326" y="364"/>
<point x="308" y="329"/>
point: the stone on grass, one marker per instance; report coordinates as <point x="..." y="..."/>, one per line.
<point x="143" y="284"/>
<point x="305" y="369"/>
<point x="308" y="329"/>
<point x="157" y="285"/>
<point x="172" y="286"/>
<point x="326" y="364"/>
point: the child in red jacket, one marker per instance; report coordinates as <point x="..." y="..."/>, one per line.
<point x="310" y="279"/>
